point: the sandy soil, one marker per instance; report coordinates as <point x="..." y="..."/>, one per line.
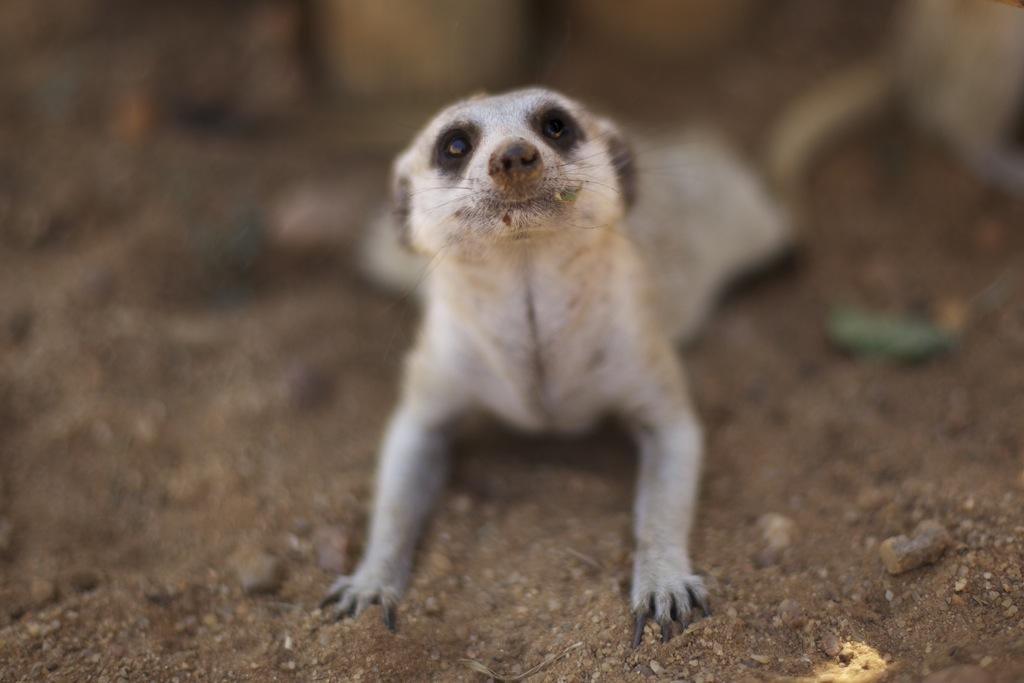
<point x="177" y="392"/>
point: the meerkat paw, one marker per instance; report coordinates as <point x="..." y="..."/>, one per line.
<point x="666" y="595"/>
<point x="349" y="596"/>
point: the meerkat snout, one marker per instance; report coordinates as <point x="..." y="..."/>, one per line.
<point x="516" y="167"/>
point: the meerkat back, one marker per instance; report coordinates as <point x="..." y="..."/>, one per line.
<point x="702" y="218"/>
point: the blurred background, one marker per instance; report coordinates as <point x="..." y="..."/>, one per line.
<point x="194" y="377"/>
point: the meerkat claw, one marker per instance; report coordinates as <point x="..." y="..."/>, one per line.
<point x="679" y="606"/>
<point x="638" y="630"/>
<point x="350" y="597"/>
<point x="700" y="599"/>
<point x="666" y="630"/>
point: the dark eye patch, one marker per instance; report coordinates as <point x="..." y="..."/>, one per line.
<point x="558" y="128"/>
<point x="454" y="147"/>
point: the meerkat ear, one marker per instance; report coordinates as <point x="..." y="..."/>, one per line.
<point x="620" y="152"/>
<point x="401" y="198"/>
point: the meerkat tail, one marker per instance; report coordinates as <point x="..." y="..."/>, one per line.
<point x="819" y="116"/>
<point x="385" y="261"/>
<point x="703" y="218"/>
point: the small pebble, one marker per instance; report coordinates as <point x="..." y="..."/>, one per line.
<point x="315" y="216"/>
<point x="331" y="546"/>
<point x="42" y="591"/>
<point x="657" y="668"/>
<point x="777" y="533"/>
<point x="440" y="563"/>
<point x="84" y="580"/>
<point x="830" y="645"/>
<point x="901" y="554"/>
<point x="432" y="606"/>
<point x="960" y="585"/>
<point x="960" y="674"/>
<point x="462" y="504"/>
<point x="259" y="572"/>
<point x="301" y="527"/>
<point x="791" y="613"/>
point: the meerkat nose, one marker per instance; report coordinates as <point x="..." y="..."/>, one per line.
<point x="515" y="166"/>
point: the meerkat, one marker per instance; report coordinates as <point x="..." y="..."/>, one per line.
<point x="546" y="308"/>
<point x="955" y="66"/>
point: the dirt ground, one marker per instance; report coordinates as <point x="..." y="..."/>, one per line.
<point x="179" y="391"/>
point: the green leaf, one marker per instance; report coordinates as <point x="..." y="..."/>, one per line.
<point x="889" y="337"/>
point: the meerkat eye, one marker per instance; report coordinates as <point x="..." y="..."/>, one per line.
<point x="453" y="149"/>
<point x="457" y="147"/>
<point x="558" y="128"/>
<point x="554" y="127"/>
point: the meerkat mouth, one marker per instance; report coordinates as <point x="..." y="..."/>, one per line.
<point x="539" y="206"/>
<point x="505" y="217"/>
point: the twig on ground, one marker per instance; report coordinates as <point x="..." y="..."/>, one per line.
<point x="479" y="667"/>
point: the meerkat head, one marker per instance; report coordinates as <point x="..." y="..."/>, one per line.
<point x="510" y="166"/>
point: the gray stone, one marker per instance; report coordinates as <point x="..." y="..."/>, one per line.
<point x="902" y="553"/>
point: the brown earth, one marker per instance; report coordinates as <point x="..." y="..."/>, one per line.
<point x="177" y="391"/>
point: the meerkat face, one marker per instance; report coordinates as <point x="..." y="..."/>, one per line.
<point x="511" y="166"/>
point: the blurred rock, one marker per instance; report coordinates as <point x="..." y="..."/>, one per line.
<point x="437" y="47"/>
<point x="312" y="216"/>
<point x="84" y="580"/>
<point x="42" y="591"/>
<point x="901" y="554"/>
<point x="777" y="534"/>
<point x="665" y="30"/>
<point x="791" y="613"/>
<point x="331" y="545"/>
<point x="960" y="674"/>
<point x="432" y="606"/>
<point x="259" y="571"/>
<point x="830" y="645"/>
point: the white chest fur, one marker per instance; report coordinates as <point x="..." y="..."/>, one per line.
<point x="530" y="328"/>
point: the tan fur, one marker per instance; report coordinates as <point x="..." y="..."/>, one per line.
<point x="957" y="68"/>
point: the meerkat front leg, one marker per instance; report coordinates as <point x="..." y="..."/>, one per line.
<point x="664" y="586"/>
<point x="411" y="474"/>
